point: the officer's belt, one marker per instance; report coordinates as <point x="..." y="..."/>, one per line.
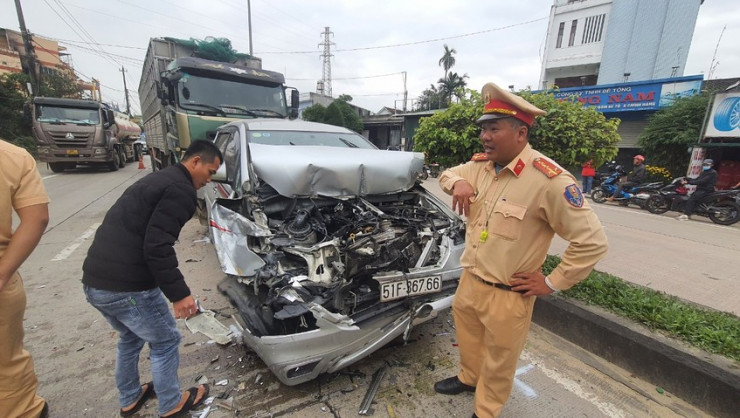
<point x="498" y="285"/>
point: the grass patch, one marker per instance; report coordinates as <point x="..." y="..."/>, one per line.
<point x="710" y="330"/>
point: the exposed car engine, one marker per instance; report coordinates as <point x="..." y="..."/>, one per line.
<point x="322" y="253"/>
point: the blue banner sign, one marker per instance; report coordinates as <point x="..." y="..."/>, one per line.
<point x="643" y="95"/>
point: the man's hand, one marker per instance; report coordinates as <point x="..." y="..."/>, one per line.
<point x="462" y="191"/>
<point x="532" y="283"/>
<point x="185" y="308"/>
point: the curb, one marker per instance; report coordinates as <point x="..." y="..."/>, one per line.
<point x="707" y="381"/>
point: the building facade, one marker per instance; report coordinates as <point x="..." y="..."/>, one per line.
<point x="596" y="42"/>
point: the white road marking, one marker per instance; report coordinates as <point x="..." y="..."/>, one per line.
<point x="77" y="242"/>
<point x="529" y="392"/>
<point x="48" y="177"/>
<point x="575" y="388"/>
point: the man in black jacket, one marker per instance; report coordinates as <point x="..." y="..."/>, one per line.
<point x="704" y="185"/>
<point x="635" y="177"/>
<point x="131" y="267"/>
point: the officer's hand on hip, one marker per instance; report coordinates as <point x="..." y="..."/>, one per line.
<point x="533" y="283"/>
<point x="462" y="191"/>
<point x="185" y="307"/>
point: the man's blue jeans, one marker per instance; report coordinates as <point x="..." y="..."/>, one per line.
<point x="588" y="182"/>
<point x="142" y="317"/>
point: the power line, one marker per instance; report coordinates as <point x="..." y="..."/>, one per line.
<point x="347" y="78"/>
<point x="416" y="42"/>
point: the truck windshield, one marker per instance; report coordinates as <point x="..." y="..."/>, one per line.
<point x="230" y="98"/>
<point x="62" y="114"/>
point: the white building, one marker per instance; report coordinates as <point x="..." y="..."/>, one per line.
<point x="595" y="42"/>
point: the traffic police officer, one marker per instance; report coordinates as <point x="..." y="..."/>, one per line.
<point x="515" y="200"/>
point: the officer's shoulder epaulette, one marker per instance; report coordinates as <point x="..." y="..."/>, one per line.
<point x="547" y="167"/>
<point x="479" y="156"/>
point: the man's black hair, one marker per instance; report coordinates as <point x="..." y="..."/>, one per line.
<point x="207" y="151"/>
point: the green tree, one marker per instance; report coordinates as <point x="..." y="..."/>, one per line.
<point x="59" y="85"/>
<point x="352" y="120"/>
<point x="448" y="59"/>
<point x="13" y="126"/>
<point x="569" y="133"/>
<point x="431" y="98"/>
<point x="453" y="84"/>
<point x="450" y="137"/>
<point x="673" y="130"/>
<point x="334" y="115"/>
<point x="315" y="113"/>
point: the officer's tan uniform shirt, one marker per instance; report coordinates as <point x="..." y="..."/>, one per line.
<point x="20" y="186"/>
<point x="521" y="208"/>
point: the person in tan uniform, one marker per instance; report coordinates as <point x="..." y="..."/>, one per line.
<point x="22" y="190"/>
<point x="515" y="200"/>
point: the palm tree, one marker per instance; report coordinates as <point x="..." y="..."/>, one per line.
<point x="448" y="60"/>
<point x="453" y="84"/>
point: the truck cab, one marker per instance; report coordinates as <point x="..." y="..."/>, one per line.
<point x="69" y="132"/>
<point x="185" y="98"/>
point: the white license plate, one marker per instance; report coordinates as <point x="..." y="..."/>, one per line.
<point x="410" y="287"/>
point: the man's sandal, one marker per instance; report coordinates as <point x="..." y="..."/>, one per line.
<point x="145" y="395"/>
<point x="191" y="402"/>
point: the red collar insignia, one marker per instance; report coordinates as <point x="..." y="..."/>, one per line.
<point x="519" y="167"/>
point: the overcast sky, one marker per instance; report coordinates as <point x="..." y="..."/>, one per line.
<point x="374" y="41"/>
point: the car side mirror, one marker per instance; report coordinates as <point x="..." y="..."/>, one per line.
<point x="220" y="176"/>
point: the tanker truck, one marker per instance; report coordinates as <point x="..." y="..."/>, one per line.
<point x="186" y="94"/>
<point x="71" y="132"/>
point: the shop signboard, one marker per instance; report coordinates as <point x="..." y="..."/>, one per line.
<point x="644" y="95"/>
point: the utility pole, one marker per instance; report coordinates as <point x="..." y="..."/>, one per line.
<point x="125" y="91"/>
<point x="249" y="23"/>
<point x="30" y="54"/>
<point x="326" y="55"/>
<point x="405" y="92"/>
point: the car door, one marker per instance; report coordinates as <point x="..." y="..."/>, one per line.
<point x="228" y="142"/>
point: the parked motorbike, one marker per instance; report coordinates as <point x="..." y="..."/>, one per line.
<point x="636" y="195"/>
<point x="424" y="173"/>
<point x="434" y="170"/>
<point x="722" y="206"/>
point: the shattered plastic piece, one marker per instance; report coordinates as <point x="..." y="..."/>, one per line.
<point x="242" y="386"/>
<point x="205" y="412"/>
<point x="225" y="403"/>
<point x="201" y="380"/>
<point x="222" y="382"/>
<point x="215" y="359"/>
<point x="258" y="379"/>
<point x="660" y="390"/>
<point x="371" y="391"/>
<point x="205" y="239"/>
<point x="206" y="323"/>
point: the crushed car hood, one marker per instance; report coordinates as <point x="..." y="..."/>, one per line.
<point x="334" y="172"/>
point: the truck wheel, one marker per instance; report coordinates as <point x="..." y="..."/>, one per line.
<point x="57" y="167"/>
<point x="115" y="163"/>
<point x="727" y="116"/>
<point x="121" y="158"/>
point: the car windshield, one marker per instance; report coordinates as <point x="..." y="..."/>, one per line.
<point x="230" y="98"/>
<point x="326" y="139"/>
<point x="62" y="114"/>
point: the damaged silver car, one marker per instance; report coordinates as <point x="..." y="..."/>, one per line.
<point x="331" y="247"/>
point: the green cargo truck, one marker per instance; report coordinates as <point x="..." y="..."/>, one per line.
<point x="185" y="97"/>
